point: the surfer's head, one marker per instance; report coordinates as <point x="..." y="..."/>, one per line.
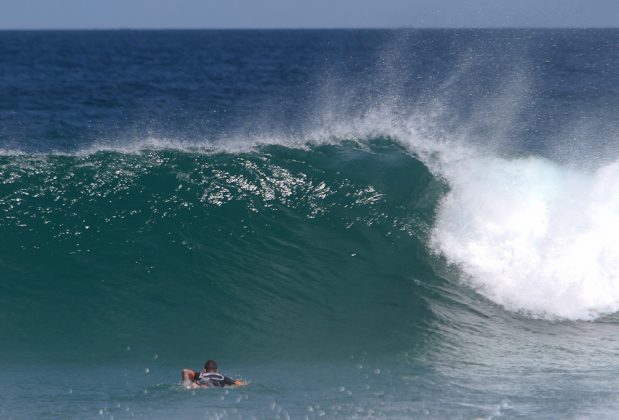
<point x="210" y="366"/>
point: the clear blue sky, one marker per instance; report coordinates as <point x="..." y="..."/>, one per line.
<point x="87" y="14"/>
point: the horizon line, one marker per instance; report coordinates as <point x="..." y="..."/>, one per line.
<point x="335" y="28"/>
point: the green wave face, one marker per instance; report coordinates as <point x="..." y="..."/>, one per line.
<point x="278" y="252"/>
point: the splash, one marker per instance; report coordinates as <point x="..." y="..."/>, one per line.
<point x="534" y="236"/>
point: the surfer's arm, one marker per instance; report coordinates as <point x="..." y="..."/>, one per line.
<point x="236" y="382"/>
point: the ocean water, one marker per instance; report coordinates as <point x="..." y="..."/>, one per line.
<point x="362" y="224"/>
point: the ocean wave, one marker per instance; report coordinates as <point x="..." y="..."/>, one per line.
<point x="530" y="234"/>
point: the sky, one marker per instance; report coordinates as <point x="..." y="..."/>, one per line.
<point x="180" y="14"/>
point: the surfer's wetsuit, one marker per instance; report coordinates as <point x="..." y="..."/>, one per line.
<point x="213" y="379"/>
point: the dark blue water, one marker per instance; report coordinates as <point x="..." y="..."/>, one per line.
<point x="360" y="223"/>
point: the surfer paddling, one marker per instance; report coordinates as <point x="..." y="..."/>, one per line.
<point x="209" y="377"/>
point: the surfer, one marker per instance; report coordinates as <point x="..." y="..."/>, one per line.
<point x="209" y="377"/>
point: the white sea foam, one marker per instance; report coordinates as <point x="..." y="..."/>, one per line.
<point x="534" y="236"/>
